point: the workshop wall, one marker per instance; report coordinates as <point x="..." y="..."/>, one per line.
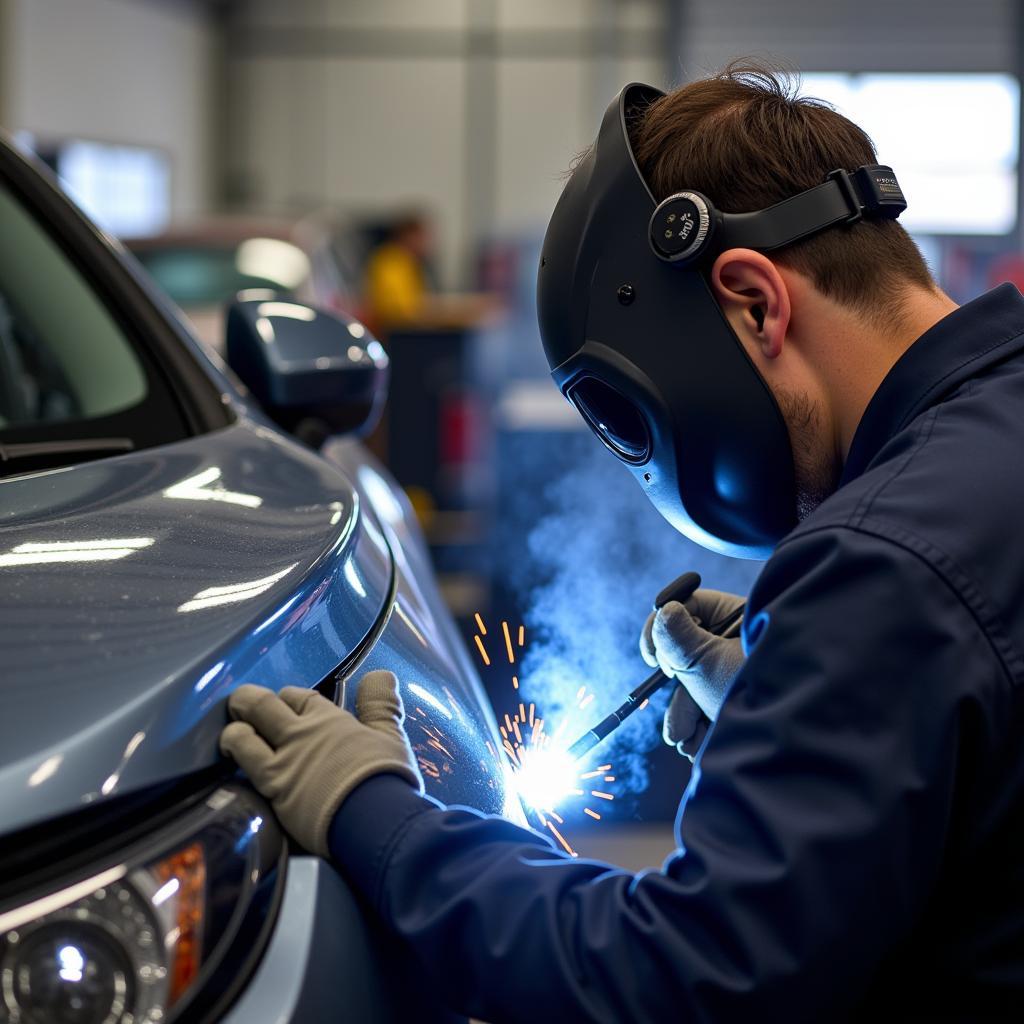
<point x="119" y="72"/>
<point x="835" y="35"/>
<point x="477" y="105"/>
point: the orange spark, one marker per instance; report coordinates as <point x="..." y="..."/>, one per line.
<point x="593" y="814"/>
<point x="515" y="728"/>
<point x="558" y="835"/>
<point x="480" y="625"/>
<point x="522" y="712"/>
<point x="508" y="643"/>
<point x="643" y="705"/>
<point x="515" y="682"/>
<point x="532" y="710"/>
<point x="609" y="778"/>
<point x="522" y="636"/>
<point x="602" y="796"/>
<point x="483" y="653"/>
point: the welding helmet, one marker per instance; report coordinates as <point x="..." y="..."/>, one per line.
<point x="638" y="344"/>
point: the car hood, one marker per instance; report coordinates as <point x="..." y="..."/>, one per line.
<point x="137" y="591"/>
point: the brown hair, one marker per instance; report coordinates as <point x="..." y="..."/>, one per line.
<point x="744" y="139"/>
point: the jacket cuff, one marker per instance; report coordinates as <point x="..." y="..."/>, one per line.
<point x="367" y="825"/>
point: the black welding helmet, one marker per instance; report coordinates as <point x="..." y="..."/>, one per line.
<point x="637" y="342"/>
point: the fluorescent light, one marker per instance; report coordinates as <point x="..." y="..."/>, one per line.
<point x="290" y="310"/>
<point x="165" y="892"/>
<point x="274" y="260"/>
<point x="46" y="770"/>
<point x="74" y="551"/>
<point x="199" y="488"/>
<point x="429" y="698"/>
<point x="908" y="117"/>
<point x="232" y="593"/>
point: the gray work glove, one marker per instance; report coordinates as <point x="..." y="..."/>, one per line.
<point x="680" y="640"/>
<point x="306" y="755"/>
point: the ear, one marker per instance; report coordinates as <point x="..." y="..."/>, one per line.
<point x="754" y="297"/>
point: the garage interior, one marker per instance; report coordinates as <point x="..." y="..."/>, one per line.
<point x="252" y="144"/>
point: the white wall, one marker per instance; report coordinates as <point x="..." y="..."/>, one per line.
<point x="131" y="71"/>
<point x="473" y="107"/>
<point x="841" y="35"/>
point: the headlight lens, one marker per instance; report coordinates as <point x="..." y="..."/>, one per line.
<point x="137" y="941"/>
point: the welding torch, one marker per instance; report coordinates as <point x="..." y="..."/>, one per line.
<point x="678" y="590"/>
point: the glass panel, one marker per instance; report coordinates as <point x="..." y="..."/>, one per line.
<point x="613" y="417"/>
<point x="62" y="355"/>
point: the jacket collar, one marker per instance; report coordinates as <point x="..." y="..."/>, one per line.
<point x="961" y="345"/>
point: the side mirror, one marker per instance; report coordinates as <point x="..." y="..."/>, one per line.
<point x="314" y="373"/>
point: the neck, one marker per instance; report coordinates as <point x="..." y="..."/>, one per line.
<point x="858" y="357"/>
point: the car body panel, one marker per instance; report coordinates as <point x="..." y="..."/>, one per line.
<point x="137" y="591"/>
<point x="453" y="731"/>
<point x="326" y="962"/>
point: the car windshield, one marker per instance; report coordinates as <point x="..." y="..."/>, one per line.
<point x="73" y="384"/>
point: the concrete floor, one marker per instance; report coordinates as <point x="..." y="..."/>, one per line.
<point x="634" y="846"/>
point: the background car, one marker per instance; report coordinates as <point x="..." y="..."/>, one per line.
<point x="202" y="266"/>
<point x="162" y="540"/>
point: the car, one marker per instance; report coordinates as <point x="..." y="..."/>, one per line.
<point x="169" y="531"/>
<point x="203" y="265"/>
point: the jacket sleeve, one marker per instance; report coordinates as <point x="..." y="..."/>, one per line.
<point x="808" y="839"/>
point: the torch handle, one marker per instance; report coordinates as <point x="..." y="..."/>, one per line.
<point x="679" y="589"/>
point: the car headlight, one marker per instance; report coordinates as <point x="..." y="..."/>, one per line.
<point x="141" y="938"/>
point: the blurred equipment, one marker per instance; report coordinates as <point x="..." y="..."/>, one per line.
<point x="435" y="436"/>
<point x="620" y="277"/>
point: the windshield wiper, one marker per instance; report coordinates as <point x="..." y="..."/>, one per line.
<point x="29" y="456"/>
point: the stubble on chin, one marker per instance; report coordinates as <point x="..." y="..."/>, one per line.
<point x="814" y="463"/>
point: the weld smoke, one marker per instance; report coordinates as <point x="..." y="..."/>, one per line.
<point x="596" y="557"/>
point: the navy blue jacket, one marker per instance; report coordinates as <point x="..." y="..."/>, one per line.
<point x="851" y="843"/>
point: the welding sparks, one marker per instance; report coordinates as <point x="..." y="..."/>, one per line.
<point x="545" y="777"/>
<point x="482" y="650"/>
<point x="508" y="643"/>
<point x="540" y="769"/>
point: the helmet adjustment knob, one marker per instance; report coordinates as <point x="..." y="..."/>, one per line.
<point x="680" y="226"/>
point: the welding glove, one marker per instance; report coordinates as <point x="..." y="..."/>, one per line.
<point x="681" y="640"/>
<point x="306" y="755"/>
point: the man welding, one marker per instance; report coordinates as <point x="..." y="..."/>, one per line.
<point x="727" y="297"/>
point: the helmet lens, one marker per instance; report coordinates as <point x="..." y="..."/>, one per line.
<point x="613" y="417"/>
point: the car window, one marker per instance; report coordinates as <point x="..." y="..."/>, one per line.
<point x="61" y="353"/>
<point x="68" y="370"/>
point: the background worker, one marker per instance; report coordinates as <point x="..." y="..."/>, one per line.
<point x="850" y="844"/>
<point x="397" y="285"/>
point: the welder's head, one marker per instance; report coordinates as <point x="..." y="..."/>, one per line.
<point x="683" y="250"/>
